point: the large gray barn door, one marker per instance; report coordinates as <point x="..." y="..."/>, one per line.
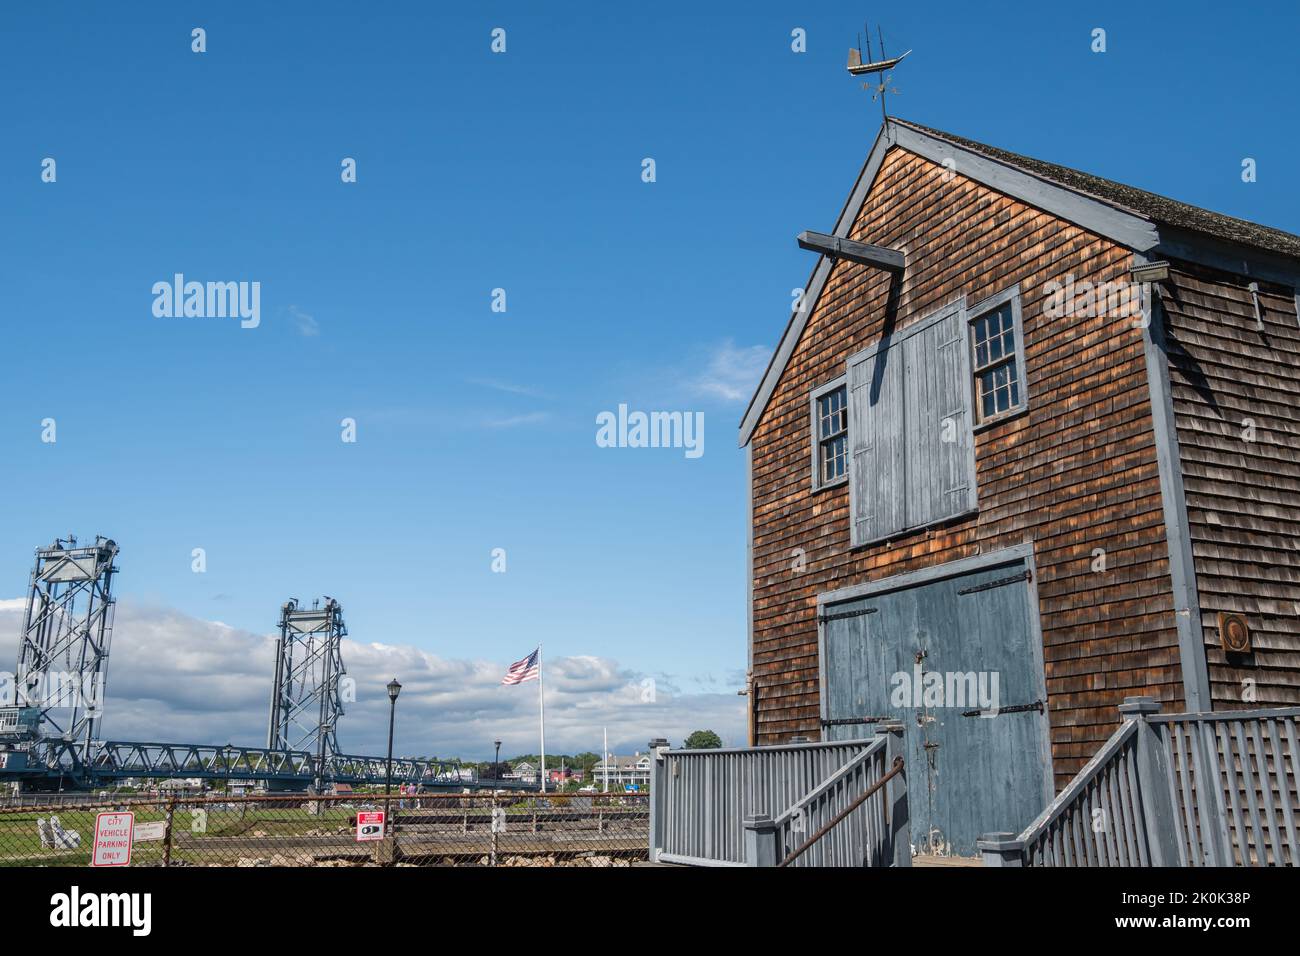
<point x="929" y="654"/>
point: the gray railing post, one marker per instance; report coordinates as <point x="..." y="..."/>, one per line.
<point x="900" y="834"/>
<point x="760" y="840"/>
<point x="658" y="796"/>
<point x="1153" y="782"/>
<point x="1214" y="832"/>
<point x="1001" y="849"/>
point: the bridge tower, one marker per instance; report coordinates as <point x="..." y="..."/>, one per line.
<point x="305" y="700"/>
<point x="58" y="693"/>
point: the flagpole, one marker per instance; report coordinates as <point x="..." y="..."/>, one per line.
<point x="541" y="714"/>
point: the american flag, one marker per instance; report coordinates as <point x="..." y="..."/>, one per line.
<point x="520" y="671"/>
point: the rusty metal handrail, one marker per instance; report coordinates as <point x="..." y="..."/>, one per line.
<point x="894" y="771"/>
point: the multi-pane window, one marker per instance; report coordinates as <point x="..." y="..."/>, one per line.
<point x="832" y="429"/>
<point x="995" y="363"/>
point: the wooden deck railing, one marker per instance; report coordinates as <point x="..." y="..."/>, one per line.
<point x="848" y="820"/>
<point x="756" y="806"/>
<point x="1205" y="789"/>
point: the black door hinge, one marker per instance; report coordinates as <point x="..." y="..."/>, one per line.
<point x="1013" y="709"/>
<point x="1000" y="582"/>
<point x="847" y="614"/>
<point x="845" y="721"/>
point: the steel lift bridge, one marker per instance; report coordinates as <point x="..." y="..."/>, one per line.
<point x="49" y="719"/>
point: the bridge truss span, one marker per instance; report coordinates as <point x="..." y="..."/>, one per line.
<point x="48" y="738"/>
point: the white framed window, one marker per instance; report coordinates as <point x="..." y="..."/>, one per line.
<point x="998" y="358"/>
<point x="830" y="434"/>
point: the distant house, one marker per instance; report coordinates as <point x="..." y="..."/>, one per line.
<point x="341" y="789"/>
<point x="522" y="770"/>
<point x="564" y="775"/>
<point x="634" y="770"/>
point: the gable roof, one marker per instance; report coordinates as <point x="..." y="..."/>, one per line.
<point x="625" y="763"/>
<point x="1151" y="225"/>
<point x="1159" y="209"/>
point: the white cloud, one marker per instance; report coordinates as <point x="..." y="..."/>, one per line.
<point x="175" y="678"/>
<point x="308" y="327"/>
<point x="515" y="421"/>
<point x="507" y="387"/>
<point x="449" y="419"/>
<point x="733" y="372"/>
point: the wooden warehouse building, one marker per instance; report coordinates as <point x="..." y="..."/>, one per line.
<point x="1037" y="430"/>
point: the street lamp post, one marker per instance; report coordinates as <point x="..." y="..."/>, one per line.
<point x="496" y="762"/>
<point x="394" y="688"/>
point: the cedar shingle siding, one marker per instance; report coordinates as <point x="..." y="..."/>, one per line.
<point x="1076" y="472"/>
<point x="1242" y="490"/>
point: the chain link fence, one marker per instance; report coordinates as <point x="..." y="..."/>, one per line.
<point x="472" y="829"/>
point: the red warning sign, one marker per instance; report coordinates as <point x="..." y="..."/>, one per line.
<point x="370" y="825"/>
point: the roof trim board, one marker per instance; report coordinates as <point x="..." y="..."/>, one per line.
<point x="1190" y="246"/>
<point x="1127" y="228"/>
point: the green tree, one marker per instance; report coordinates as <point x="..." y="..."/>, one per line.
<point x="703" y="740"/>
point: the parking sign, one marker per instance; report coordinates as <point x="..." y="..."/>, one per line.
<point x="113" y="839"/>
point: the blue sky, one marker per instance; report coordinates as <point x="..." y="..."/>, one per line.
<point x="522" y="171"/>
